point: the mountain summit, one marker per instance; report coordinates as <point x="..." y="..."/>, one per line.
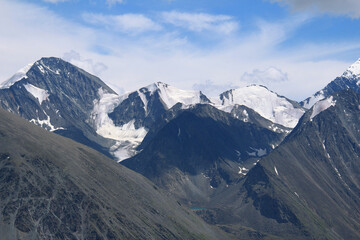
<point x="57" y="96"/>
<point x="349" y="79"/>
<point x="268" y="104"/>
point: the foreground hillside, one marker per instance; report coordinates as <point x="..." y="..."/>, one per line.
<point x="308" y="187"/>
<point x="54" y="188"/>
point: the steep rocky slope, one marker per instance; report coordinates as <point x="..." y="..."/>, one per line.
<point x="309" y="187"/>
<point x="54" y="188"/>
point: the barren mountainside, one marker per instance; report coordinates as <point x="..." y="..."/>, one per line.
<point x="54" y="188"/>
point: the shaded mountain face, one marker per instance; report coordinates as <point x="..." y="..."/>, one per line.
<point x="199" y="150"/>
<point x="309" y="187"/>
<point x="54" y="188"/>
<point x="57" y="96"/>
<point x="349" y="79"/>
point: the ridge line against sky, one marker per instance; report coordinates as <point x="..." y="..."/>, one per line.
<point x="294" y="47"/>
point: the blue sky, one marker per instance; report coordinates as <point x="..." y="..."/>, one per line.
<point x="294" y="47"/>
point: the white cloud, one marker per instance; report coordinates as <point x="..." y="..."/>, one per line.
<point x="211" y="89"/>
<point x="88" y="65"/>
<point x="339" y="7"/>
<point x="199" y="22"/>
<point x="110" y="3"/>
<point x="127" y="23"/>
<point x="267" y="76"/>
<point x="29" y="32"/>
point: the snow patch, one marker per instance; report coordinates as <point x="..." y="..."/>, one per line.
<point x="127" y="137"/>
<point x="102" y="107"/>
<point x="308" y="103"/>
<point x="41" y="67"/>
<point x="38" y="93"/>
<point x="243" y="171"/>
<point x="268" y="104"/>
<point x="16" y="77"/>
<point x="171" y="95"/>
<point x="126" y="132"/>
<point x="246" y="118"/>
<point x="353" y="70"/>
<point x="46" y="123"/>
<point x="276" y="171"/>
<point x="321" y="106"/>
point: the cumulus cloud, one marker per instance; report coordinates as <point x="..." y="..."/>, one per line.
<point x="88" y="65"/>
<point x="267" y="76"/>
<point x="199" y="22"/>
<point x="211" y="89"/>
<point x="339" y="7"/>
<point x="127" y="23"/>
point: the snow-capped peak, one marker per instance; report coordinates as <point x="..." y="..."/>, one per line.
<point x="171" y="95"/>
<point x="268" y="104"/>
<point x="16" y="77"/>
<point x="353" y="70"/>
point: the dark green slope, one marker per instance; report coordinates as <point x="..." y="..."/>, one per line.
<point x="54" y="188"/>
<point x="309" y="187"/>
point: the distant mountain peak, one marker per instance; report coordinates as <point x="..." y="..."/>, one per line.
<point x="171" y="95"/>
<point x="20" y="74"/>
<point x="353" y="70"/>
<point x="268" y="104"/>
<point x="349" y="79"/>
<point x="44" y="65"/>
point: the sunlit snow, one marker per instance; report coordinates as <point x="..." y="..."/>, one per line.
<point x="16" y="77"/>
<point x="321" y="106"/>
<point x="267" y="103"/>
<point x="353" y="70"/>
<point x="127" y="136"/>
<point x="38" y="93"/>
<point x="314" y="99"/>
<point x="276" y="171"/>
<point x="171" y="95"/>
<point x="45" y="124"/>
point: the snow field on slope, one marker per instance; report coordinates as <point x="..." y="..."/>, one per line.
<point x="171" y="95"/>
<point x="268" y="104"/>
<point x="38" y="93"/>
<point x="322" y="106"/>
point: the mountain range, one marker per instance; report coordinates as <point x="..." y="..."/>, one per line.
<point x="251" y="162"/>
